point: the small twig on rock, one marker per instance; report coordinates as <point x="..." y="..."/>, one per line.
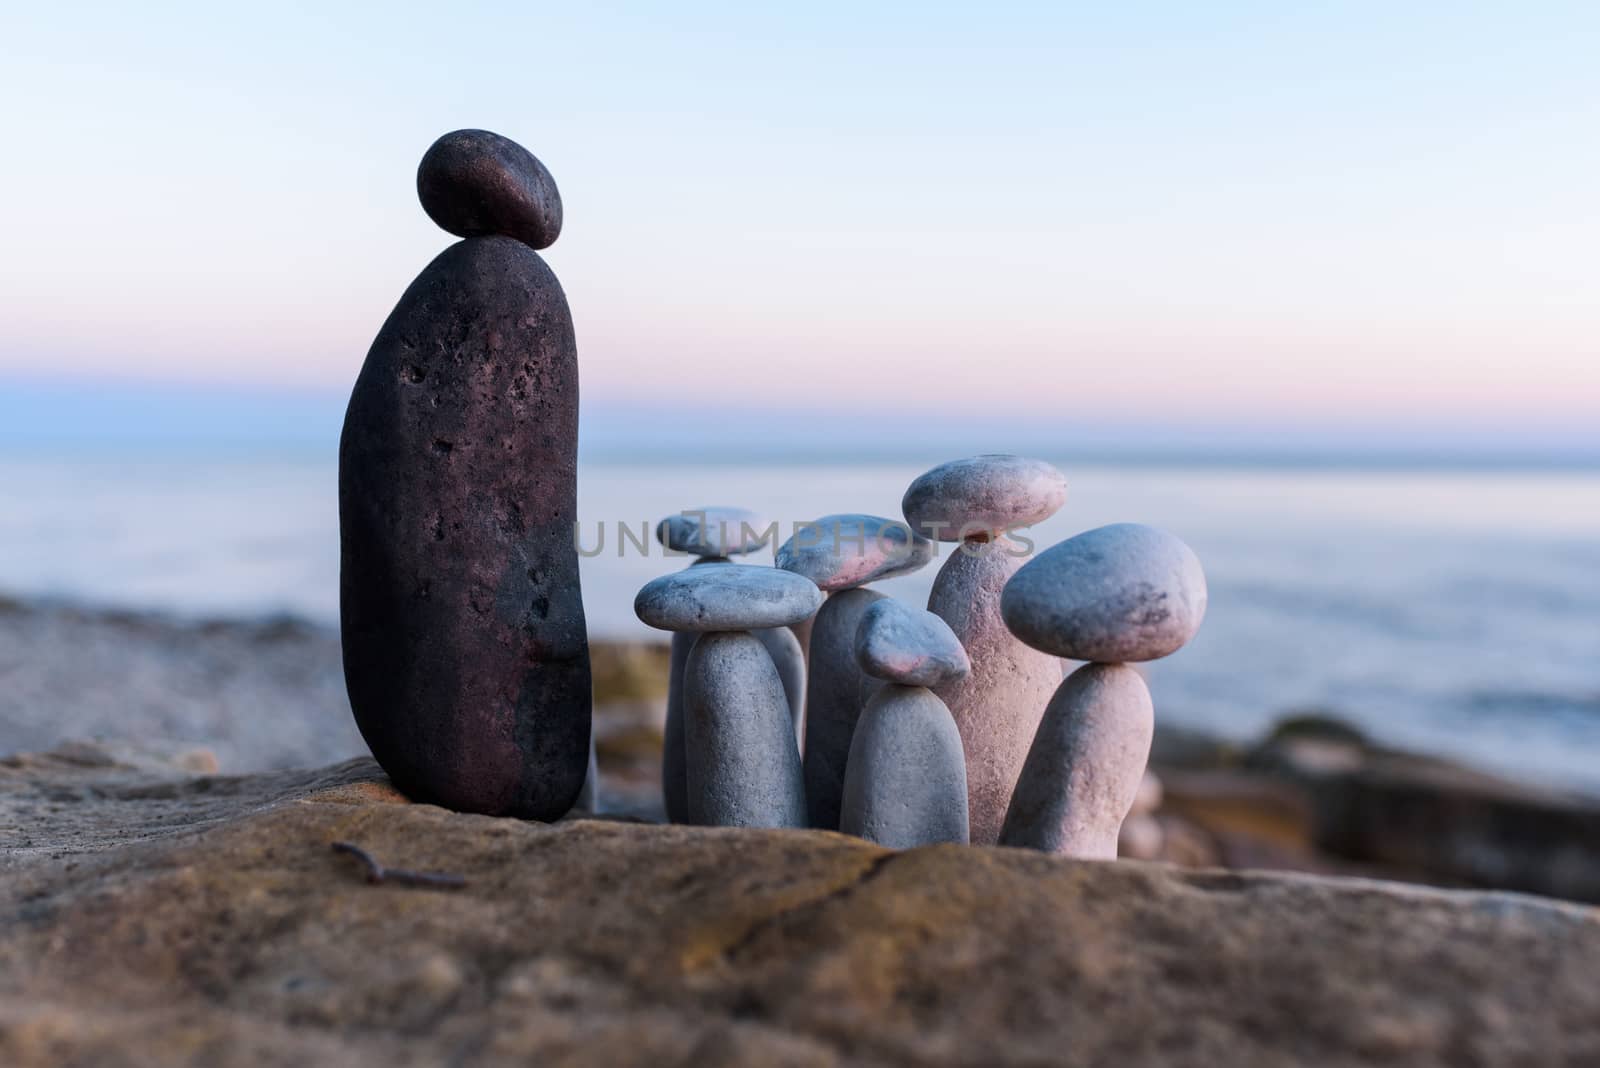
<point x="377" y="873"/>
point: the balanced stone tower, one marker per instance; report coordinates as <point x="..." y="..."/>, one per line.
<point x="1112" y="596"/>
<point x="465" y="651"/>
<point x="996" y="706"/>
<point x="741" y="764"/>
<point x="906" y="781"/>
<point x="714" y="534"/>
<point x="841" y="554"/>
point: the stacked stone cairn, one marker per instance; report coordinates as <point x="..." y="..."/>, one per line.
<point x="886" y="755"/>
<point x="840" y="555"/>
<point x="712" y="535"/>
<point x="1112" y="596"/>
<point x="976" y="503"/>
<point x="905" y="783"/>
<point x="465" y="652"/>
<point x="741" y="763"/>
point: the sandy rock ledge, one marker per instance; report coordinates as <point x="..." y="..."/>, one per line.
<point x="152" y="915"/>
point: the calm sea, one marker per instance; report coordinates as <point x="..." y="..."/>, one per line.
<point x="1450" y="611"/>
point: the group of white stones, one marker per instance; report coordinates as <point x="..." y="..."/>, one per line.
<point x="910" y="727"/>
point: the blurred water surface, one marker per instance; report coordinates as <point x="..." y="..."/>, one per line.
<point x="1451" y="611"/>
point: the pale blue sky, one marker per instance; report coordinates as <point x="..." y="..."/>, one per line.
<point x="1345" y="217"/>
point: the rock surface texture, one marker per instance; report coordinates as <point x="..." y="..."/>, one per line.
<point x="153" y="917"/>
<point x="465" y="650"/>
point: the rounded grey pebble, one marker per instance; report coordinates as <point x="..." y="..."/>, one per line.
<point x="741" y="763"/>
<point x="1085" y="766"/>
<point x="726" y="598"/>
<point x="910" y="646"/>
<point x="713" y="531"/>
<point x="474" y="183"/>
<point x="1115" y="594"/>
<point x="983" y="495"/>
<point x="836" y="691"/>
<point x="906" y="782"/>
<point x="838" y="552"/>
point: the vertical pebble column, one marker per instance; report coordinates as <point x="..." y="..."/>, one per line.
<point x="741" y="764"/>
<point x="1112" y="596"/>
<point x="905" y="784"/>
<point x="712" y="535"/>
<point x="973" y="503"/>
<point x="841" y="554"/>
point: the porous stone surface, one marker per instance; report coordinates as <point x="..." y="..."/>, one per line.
<point x="1125" y="592"/>
<point x="741" y="764"/>
<point x="906" y="782"/>
<point x="839" y="552"/>
<point x="474" y="183"/>
<point x="910" y="646"/>
<point x="787" y="657"/>
<point x="1086" y="765"/>
<point x="465" y="652"/>
<point x="150" y="916"/>
<point x="836" y="692"/>
<point x="726" y="598"/>
<point x="983" y="496"/>
<point x="998" y="703"/>
<point x="713" y="531"/>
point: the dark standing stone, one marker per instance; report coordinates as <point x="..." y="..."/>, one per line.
<point x="465" y="651"/>
<point x="474" y="183"/>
